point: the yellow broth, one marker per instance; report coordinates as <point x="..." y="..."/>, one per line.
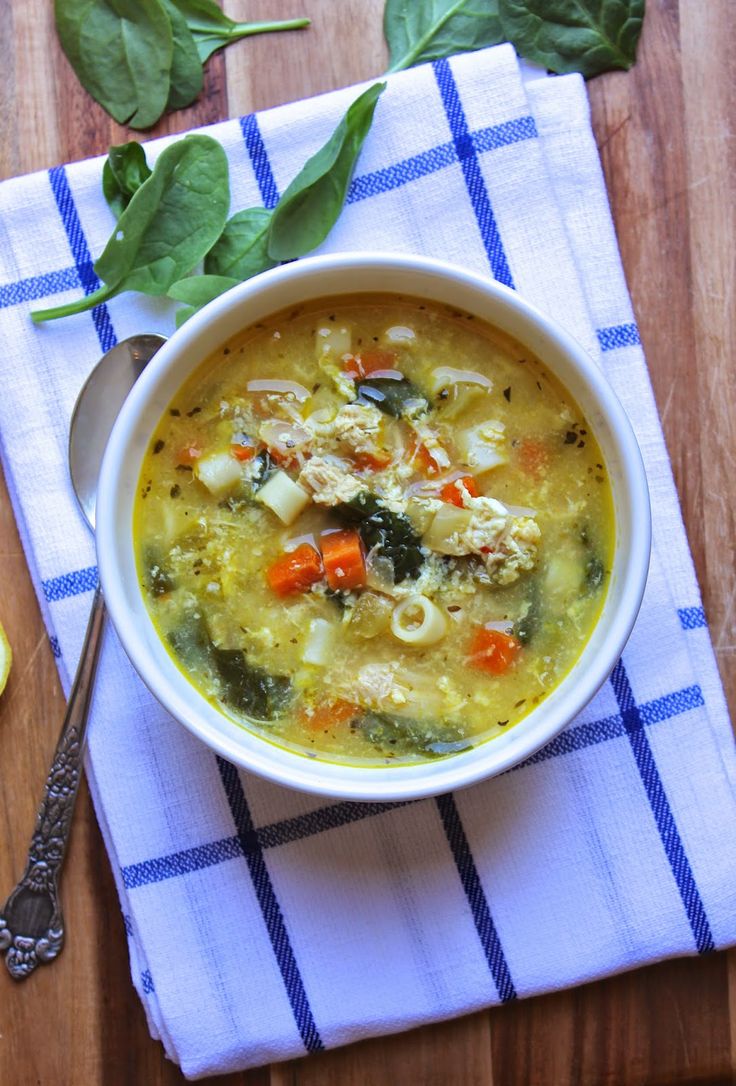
<point x="367" y="410"/>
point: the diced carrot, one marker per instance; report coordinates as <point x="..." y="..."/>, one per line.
<point x="367" y="362"/>
<point x="243" y="452"/>
<point x="342" y="557"/>
<point x="329" y="713"/>
<point x="452" y="492"/>
<point x="534" y="456"/>
<point x="296" y="571"/>
<point x="422" y="458"/>
<point x="493" y="650"/>
<point x="368" y="461"/>
<point x="189" y="453"/>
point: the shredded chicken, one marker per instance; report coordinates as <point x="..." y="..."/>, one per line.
<point x="329" y="482"/>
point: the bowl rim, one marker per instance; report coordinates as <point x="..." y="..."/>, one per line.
<point x="334" y="779"/>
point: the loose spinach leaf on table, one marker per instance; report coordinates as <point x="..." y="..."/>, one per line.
<point x="186" y="76"/>
<point x="420" y="30"/>
<point x="124" y="172"/>
<point x="121" y="52"/>
<point x="212" y="29"/>
<point x="311" y="204"/>
<point x="588" y="36"/>
<point x="241" y="250"/>
<point x="173" y="219"/>
<point x="196" y="291"/>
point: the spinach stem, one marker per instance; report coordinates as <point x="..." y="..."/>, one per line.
<point x="89" y="301"/>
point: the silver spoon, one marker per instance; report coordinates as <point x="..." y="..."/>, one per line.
<point x="31" y="923"/>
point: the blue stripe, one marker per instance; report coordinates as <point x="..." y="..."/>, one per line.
<point x="468" y="158"/>
<point x="128" y="925"/>
<point x="438" y="158"/>
<point x="55" y="647"/>
<point x="661" y="809"/>
<point x="256" y="149"/>
<point x="147" y="982"/>
<point x="691" y="618"/>
<point x="341" y="814"/>
<point x="70" y="584"/>
<point x="618" y="335"/>
<point x="477" y="900"/>
<point x="38" y="286"/>
<point x="80" y="252"/>
<point x="270" y="908"/>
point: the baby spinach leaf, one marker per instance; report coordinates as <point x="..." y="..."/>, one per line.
<point x="186" y="67"/>
<point x="588" y="36"/>
<point x="124" y="172"/>
<point x="196" y="291"/>
<point x="397" y="398"/>
<point x="402" y="735"/>
<point x="241" y="250"/>
<point x="121" y="52"/>
<point x="170" y="223"/>
<point x="212" y="29"/>
<point x="309" y="207"/>
<point x="391" y="533"/>
<point x="420" y="30"/>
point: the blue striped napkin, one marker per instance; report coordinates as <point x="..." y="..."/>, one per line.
<point x="264" y="923"/>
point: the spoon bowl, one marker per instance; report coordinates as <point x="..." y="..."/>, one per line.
<point x="31" y="922"/>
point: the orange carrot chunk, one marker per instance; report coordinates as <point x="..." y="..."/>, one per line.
<point x="371" y="461"/>
<point x="343" y="561"/>
<point x="296" y="571"/>
<point x="370" y="361"/>
<point x="534" y="457"/>
<point x="493" y="651"/>
<point x="243" y="452"/>
<point x="330" y="713"/>
<point x="188" y="454"/>
<point x="422" y="459"/>
<point x="452" y="492"/>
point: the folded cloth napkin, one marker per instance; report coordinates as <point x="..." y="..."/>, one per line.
<point x="264" y="923"/>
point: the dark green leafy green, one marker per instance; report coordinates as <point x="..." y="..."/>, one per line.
<point x="186" y="77"/>
<point x="212" y="29"/>
<point x="241" y="251"/>
<point x="191" y="643"/>
<point x="309" y="207"/>
<point x="421" y="30"/>
<point x="196" y="291"/>
<point x="249" y="689"/>
<point x="170" y="223"/>
<point x="121" y="52"/>
<point x="526" y="629"/>
<point x="395" y="735"/>
<point x="594" y="573"/>
<point x="588" y="36"/>
<point x="124" y="172"/>
<point x="391" y="533"/>
<point x="402" y="399"/>
<point x="158" y="579"/>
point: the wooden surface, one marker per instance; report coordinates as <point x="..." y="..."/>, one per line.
<point x="667" y="140"/>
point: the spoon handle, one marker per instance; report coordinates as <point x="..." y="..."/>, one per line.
<point x="31" y="922"/>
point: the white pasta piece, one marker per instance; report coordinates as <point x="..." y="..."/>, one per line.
<point x="399" y="333"/>
<point x="444" y="376"/>
<point x="448" y="527"/>
<point x="284" y="497"/>
<point x="318" y="645"/>
<point x="483" y="447"/>
<point x="219" y="472"/>
<point x="417" y="621"/>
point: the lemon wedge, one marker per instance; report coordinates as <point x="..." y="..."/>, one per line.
<point x="6" y="657"/>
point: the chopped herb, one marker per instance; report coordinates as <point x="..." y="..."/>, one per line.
<point x="570" y="437"/>
<point x="175" y="412"/>
<point x="158" y="447"/>
<point x="507" y="393"/>
<point x="175" y="491"/>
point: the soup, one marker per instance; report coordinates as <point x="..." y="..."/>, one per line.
<point x="374" y="530"/>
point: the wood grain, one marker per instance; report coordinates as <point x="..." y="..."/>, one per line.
<point x="666" y="135"/>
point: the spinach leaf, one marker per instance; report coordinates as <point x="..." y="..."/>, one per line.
<point x="191" y="643"/>
<point x="526" y="628"/>
<point x="121" y="52"/>
<point x="124" y="172"/>
<point x="186" y="77"/>
<point x="157" y="578"/>
<point x="421" y="30"/>
<point x="309" y="207"/>
<point x="168" y="226"/>
<point x="248" y="688"/>
<point x="594" y="574"/>
<point x="392" y="533"/>
<point x="401" y="398"/>
<point x="212" y="29"/>
<point x="196" y="291"/>
<point x="242" y="249"/>
<point x="588" y="36"/>
<point x="401" y="735"/>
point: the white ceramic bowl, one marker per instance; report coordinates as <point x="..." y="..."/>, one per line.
<point x="345" y="274"/>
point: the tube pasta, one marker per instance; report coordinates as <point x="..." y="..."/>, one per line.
<point x="425" y="628"/>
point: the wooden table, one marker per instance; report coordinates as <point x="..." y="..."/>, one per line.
<point x="666" y="136"/>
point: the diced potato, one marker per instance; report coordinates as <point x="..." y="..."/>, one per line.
<point x="284" y="497"/>
<point x="564" y="575"/>
<point x="449" y="522"/>
<point x="220" y="472"/>
<point x="334" y="339"/>
<point x="483" y="447"/>
<point x="318" y="645"/>
<point x="371" y="615"/>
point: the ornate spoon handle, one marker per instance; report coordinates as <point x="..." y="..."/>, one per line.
<point x="31" y="924"/>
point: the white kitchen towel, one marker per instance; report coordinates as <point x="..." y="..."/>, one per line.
<point x="264" y="923"/>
